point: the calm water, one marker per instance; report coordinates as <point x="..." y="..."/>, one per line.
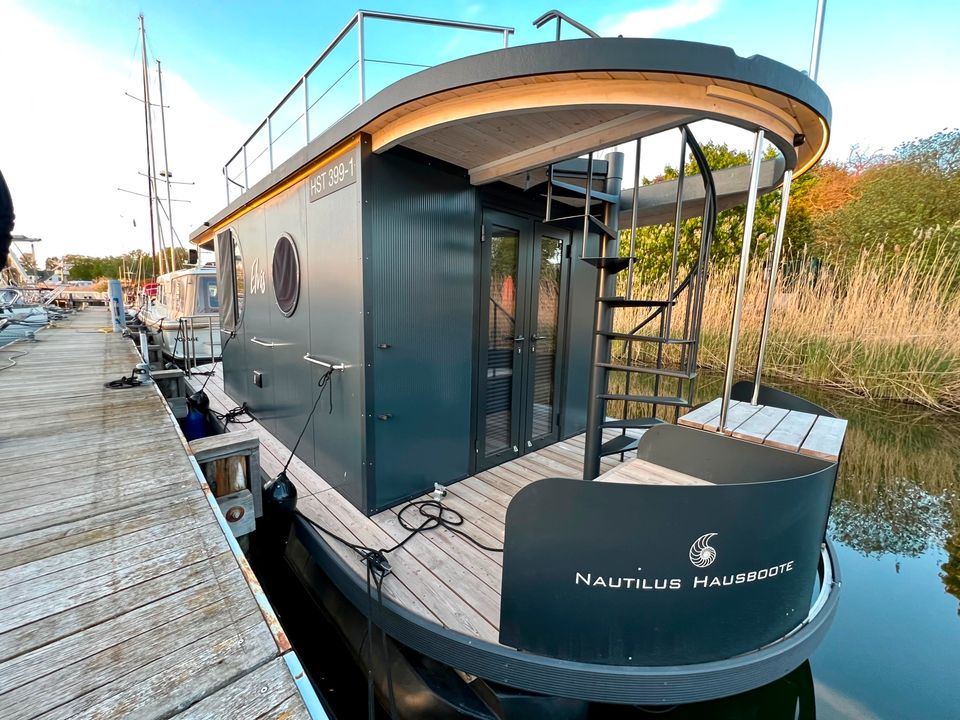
<point x="894" y="650"/>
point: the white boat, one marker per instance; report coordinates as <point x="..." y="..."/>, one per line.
<point x="184" y="313"/>
<point x="19" y="318"/>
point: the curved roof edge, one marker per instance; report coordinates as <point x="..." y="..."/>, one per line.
<point x="568" y="56"/>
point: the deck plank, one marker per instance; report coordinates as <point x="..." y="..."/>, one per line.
<point x="756" y="428"/>
<point x="825" y="438"/>
<point x="790" y="432"/>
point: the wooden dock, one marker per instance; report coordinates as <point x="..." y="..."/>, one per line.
<point x="122" y="592"/>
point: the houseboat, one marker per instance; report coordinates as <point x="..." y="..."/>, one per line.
<point x="507" y="497"/>
<point x="182" y="309"/>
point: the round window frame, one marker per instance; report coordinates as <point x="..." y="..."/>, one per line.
<point x="296" y="261"/>
<point x="242" y="307"/>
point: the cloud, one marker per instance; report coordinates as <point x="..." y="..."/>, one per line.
<point x="653" y="21"/>
<point x="69" y="137"/>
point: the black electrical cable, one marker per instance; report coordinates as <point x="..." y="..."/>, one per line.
<point x="230" y="416"/>
<point x="124" y="383"/>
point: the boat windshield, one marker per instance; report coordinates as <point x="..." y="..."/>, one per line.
<point x="207" y="300"/>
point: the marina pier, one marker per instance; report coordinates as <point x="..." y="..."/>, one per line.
<point x="122" y="590"/>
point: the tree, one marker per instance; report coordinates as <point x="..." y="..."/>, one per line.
<point x="908" y="198"/>
<point x="655" y="242"/>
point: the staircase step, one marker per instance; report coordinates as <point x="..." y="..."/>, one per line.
<point x="575" y="222"/>
<point x="663" y="372"/>
<point x="576" y="191"/>
<point x="619" y="444"/>
<point x="632" y="423"/>
<point x="618" y="301"/>
<point x="645" y="338"/>
<point x="649" y="399"/>
<point x="613" y="264"/>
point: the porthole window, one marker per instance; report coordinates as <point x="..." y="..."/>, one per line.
<point x="238" y="279"/>
<point x="286" y="275"/>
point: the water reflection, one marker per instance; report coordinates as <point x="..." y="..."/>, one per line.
<point x="789" y="698"/>
<point x="894" y="649"/>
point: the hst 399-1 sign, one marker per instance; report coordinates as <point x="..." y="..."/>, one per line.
<point x="333" y="176"/>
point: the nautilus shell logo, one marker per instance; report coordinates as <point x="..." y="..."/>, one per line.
<point x="701" y="554"/>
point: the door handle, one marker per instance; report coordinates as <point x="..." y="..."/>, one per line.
<point x="263" y="343"/>
<point x="520" y="338"/>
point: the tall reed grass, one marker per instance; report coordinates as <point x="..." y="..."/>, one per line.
<point x="886" y="328"/>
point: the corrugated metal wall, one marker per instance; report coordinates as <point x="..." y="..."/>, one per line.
<point x="422" y="235"/>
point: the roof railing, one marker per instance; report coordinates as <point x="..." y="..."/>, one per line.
<point x="241" y="178"/>
<point x="562" y="18"/>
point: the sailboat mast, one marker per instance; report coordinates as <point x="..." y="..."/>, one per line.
<point x="146" y="127"/>
<point x="166" y="169"/>
<point x="152" y="170"/>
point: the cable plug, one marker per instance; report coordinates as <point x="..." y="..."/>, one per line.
<point x="439" y="492"/>
<point x="378" y="563"/>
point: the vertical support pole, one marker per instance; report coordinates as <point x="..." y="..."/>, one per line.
<point x="146" y="127"/>
<point x="588" y="190"/>
<point x="246" y="177"/>
<point x="772" y="287"/>
<point x="270" y="139"/>
<point x="633" y="223"/>
<point x="306" y="108"/>
<point x="596" y="409"/>
<point x="363" y="90"/>
<point x="741" y="279"/>
<point x="506" y="38"/>
<point x="226" y="181"/>
<point x="817" y="40"/>
<point x="166" y="169"/>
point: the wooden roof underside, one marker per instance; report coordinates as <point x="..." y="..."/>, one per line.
<point x="501" y="130"/>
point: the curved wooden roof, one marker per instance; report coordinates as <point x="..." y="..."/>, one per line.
<point x="502" y="114"/>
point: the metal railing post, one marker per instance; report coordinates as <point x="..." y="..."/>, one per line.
<point x="633" y="223"/>
<point x="226" y="181"/>
<point x="246" y="178"/>
<point x="506" y="38"/>
<point x="817" y="40"/>
<point x="772" y="288"/>
<point x="741" y="279"/>
<point x="306" y="109"/>
<point x="270" y="139"/>
<point x="360" y="56"/>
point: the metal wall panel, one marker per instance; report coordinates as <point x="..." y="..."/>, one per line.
<point x="293" y="388"/>
<point x="336" y="336"/>
<point x="423" y="238"/>
<point x="257" y="333"/>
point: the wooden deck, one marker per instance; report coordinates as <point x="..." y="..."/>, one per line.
<point x="438" y="574"/>
<point x="800" y="432"/>
<point x="120" y="594"/>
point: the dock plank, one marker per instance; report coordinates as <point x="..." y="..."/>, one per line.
<point x="120" y="594"/>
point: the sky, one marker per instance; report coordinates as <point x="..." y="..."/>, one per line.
<point x="72" y="139"/>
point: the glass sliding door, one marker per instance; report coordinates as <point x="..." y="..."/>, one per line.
<point x="519" y="337"/>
